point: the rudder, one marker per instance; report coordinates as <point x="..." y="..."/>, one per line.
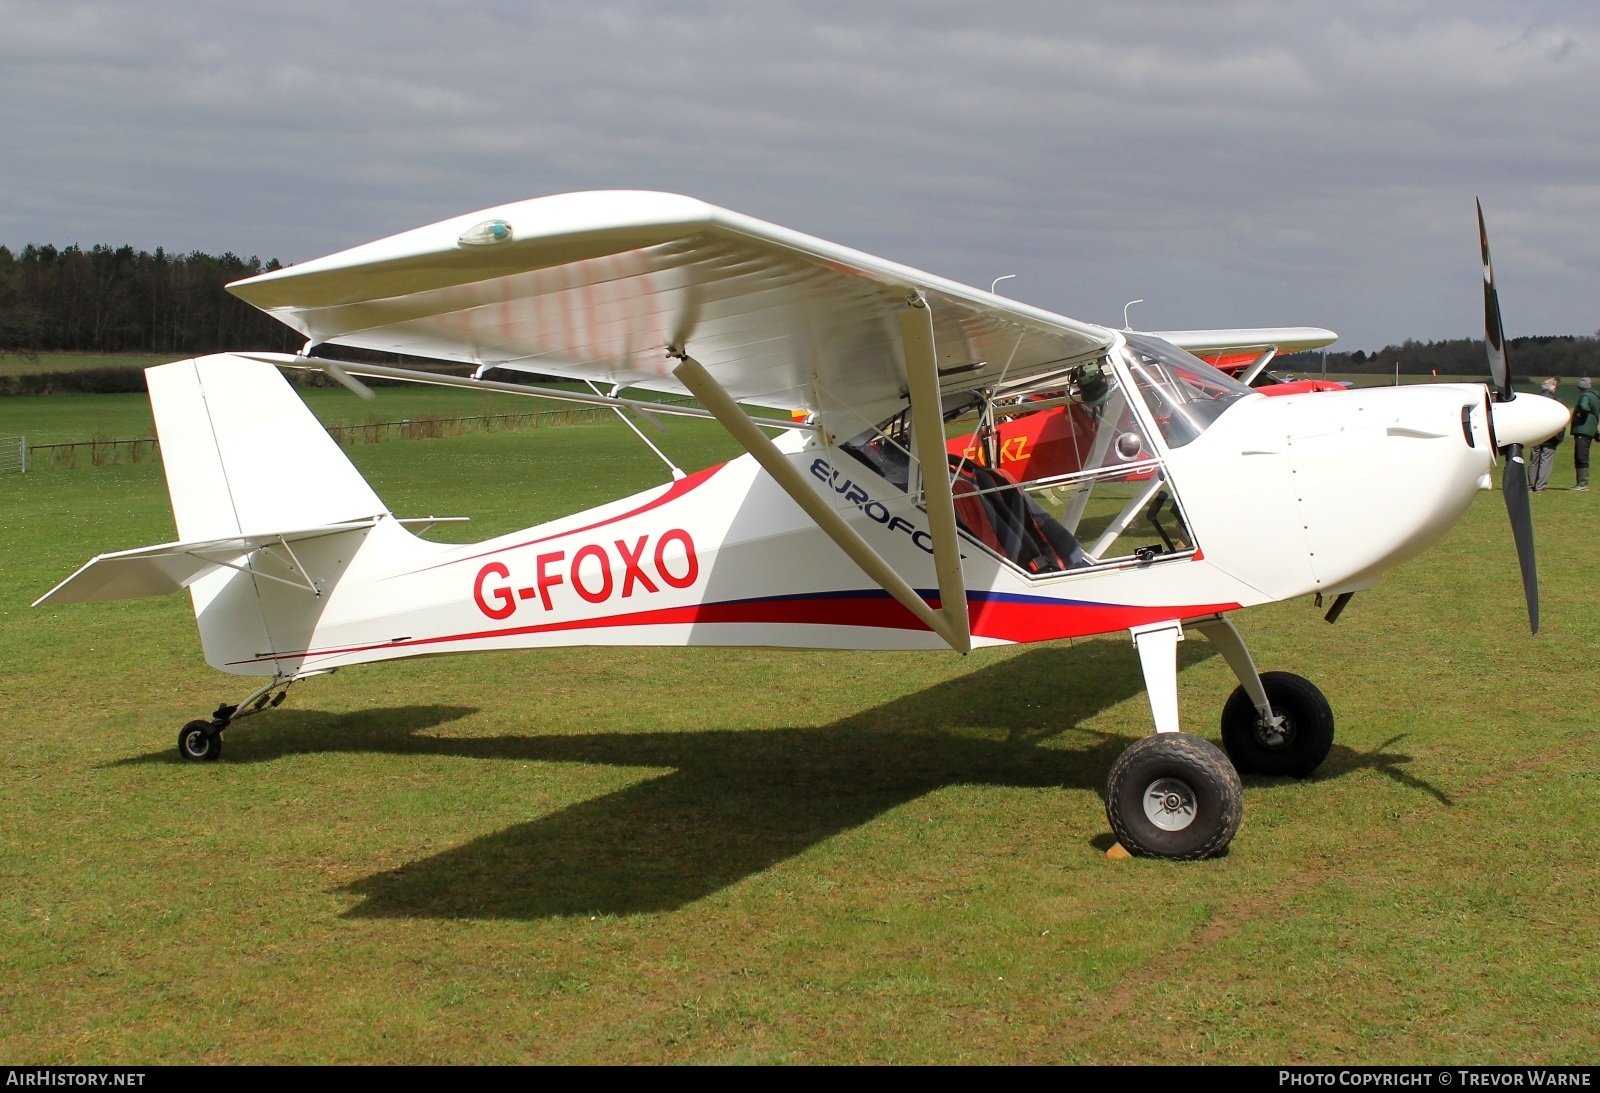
<point x="243" y="455"/>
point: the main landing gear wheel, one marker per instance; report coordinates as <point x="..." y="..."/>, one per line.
<point x="198" y="742"/>
<point x="1172" y="795"/>
<point x="1295" y="746"/>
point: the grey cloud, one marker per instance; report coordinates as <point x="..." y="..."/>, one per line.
<point x="1232" y="163"/>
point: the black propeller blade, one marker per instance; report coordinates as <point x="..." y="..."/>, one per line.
<point x="1515" y="479"/>
<point x="1516" y="491"/>
<point x="1494" y="339"/>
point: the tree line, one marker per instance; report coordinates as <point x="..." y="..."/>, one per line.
<point x="119" y="300"/>
<point x="1531" y="359"/>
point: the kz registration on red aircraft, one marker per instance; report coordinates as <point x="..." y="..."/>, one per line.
<point x="950" y="469"/>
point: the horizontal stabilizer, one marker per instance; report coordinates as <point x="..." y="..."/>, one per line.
<point x="171" y="567"/>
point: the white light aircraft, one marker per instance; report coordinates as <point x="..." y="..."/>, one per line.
<point x="1174" y="496"/>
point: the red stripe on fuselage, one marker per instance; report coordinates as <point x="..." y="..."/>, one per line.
<point x="1003" y="618"/>
<point x="1022" y="621"/>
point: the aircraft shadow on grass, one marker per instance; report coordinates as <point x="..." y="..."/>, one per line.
<point x="736" y="801"/>
<point x="1342" y="760"/>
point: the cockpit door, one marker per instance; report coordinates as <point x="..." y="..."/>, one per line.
<point x="1068" y="461"/>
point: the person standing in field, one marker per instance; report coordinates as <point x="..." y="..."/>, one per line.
<point x="1542" y="457"/>
<point x="1585" y="424"/>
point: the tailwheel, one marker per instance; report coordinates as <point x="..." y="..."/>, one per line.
<point x="1175" y="796"/>
<point x="1294" y="742"/>
<point x="198" y="741"/>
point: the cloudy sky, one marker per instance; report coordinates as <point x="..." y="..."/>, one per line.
<point x="1233" y="163"/>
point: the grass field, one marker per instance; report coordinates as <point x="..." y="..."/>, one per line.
<point x="750" y="856"/>
<point x="12" y="365"/>
<point x="51" y="419"/>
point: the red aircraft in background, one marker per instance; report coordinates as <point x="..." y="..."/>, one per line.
<point x="1047" y="437"/>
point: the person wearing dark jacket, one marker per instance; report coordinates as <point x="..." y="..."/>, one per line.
<point x="1542" y="457"/>
<point x="1585" y="425"/>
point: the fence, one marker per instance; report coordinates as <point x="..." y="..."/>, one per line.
<point x="431" y="428"/>
<point x="100" y="453"/>
<point x="13" y="454"/>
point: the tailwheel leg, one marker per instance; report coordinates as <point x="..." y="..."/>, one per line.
<point x="200" y="741"/>
<point x="1171" y="795"/>
<point x="1274" y="723"/>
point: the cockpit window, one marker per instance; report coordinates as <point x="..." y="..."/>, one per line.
<point x="1183" y="393"/>
<point x="989" y="504"/>
<point x="1052" y="472"/>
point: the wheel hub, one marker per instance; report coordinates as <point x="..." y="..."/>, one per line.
<point x="1274" y="732"/>
<point x="1169" y="804"/>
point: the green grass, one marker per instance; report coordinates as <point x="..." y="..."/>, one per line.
<point x="748" y="856"/>
<point x="12" y="365"/>
<point x="53" y="419"/>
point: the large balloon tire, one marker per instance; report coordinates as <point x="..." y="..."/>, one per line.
<point x="1174" y="796"/>
<point x="1295" y="749"/>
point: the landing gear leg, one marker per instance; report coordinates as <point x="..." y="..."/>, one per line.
<point x="200" y="741"/>
<point x="1171" y="795"/>
<point x="1274" y="722"/>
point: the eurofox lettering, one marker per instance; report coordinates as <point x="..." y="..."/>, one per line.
<point x="876" y="511"/>
<point x="595" y="572"/>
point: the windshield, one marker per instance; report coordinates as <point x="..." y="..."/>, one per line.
<point x="1183" y="392"/>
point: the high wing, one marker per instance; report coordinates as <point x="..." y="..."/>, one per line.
<point x="600" y="286"/>
<point x="1248" y="349"/>
<point x="1245" y="353"/>
<point x="1284" y="339"/>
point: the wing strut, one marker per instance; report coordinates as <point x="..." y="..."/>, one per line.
<point x="1255" y="367"/>
<point x="927" y="433"/>
<point x="693" y="375"/>
<point x="441" y="379"/>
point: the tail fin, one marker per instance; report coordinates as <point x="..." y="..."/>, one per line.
<point x="245" y="457"/>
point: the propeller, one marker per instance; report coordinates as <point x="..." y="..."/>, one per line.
<point x="1515" y="480"/>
